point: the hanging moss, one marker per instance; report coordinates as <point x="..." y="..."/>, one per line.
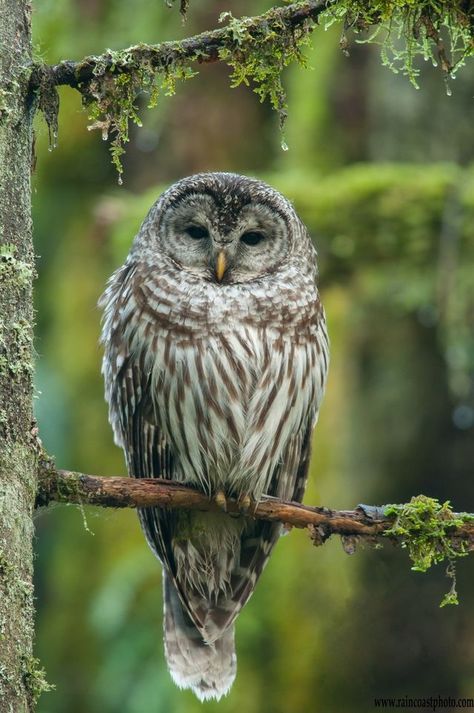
<point x="258" y="55"/>
<point x="183" y="6"/>
<point x="111" y="98"/>
<point x="425" y="527"/>
<point x="442" y="32"/>
<point x="257" y="49"/>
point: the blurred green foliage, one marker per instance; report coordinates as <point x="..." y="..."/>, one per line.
<point x="388" y="194"/>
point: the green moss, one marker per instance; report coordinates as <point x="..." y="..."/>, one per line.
<point x="16" y="360"/>
<point x="34" y="678"/>
<point x="14" y="271"/>
<point x="436" y="30"/>
<point x="257" y="49"/>
<point x="258" y="54"/>
<point x="67" y="489"/>
<point x="425" y="527"/>
<point x="111" y="96"/>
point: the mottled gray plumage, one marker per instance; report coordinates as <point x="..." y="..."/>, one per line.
<point x="215" y="363"/>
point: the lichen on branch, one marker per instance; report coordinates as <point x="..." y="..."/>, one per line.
<point x="425" y="528"/>
<point x="257" y="49"/>
<point x="111" y="98"/>
<point x="259" y="53"/>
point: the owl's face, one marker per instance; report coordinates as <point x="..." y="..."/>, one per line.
<point x="224" y="228"/>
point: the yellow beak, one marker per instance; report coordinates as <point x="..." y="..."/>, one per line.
<point x="221" y="265"/>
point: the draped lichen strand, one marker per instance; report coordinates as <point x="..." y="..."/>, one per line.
<point x="111" y="96"/>
<point x="442" y="32"/>
<point x="425" y="527"/>
<point x="259" y="55"/>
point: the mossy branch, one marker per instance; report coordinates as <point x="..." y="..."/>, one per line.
<point x="430" y="531"/>
<point x="364" y="521"/>
<point x="203" y="48"/>
<point x="71" y="487"/>
<point x="257" y="49"/>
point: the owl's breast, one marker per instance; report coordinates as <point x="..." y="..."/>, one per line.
<point x="229" y="403"/>
<point x="234" y="375"/>
<point x="201" y="390"/>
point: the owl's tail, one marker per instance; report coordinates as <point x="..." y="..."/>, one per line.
<point x="208" y="669"/>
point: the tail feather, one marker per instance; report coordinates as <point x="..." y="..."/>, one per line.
<point x="209" y="669"/>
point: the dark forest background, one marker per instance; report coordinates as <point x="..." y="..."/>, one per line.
<point x="380" y="172"/>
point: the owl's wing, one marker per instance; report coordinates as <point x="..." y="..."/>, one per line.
<point x="149" y="455"/>
<point x="147" y="452"/>
<point x="131" y="412"/>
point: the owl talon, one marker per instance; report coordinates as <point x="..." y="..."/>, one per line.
<point x="244" y="504"/>
<point x="221" y="500"/>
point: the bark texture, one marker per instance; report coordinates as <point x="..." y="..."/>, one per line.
<point x="19" y="680"/>
<point x="366" y="521"/>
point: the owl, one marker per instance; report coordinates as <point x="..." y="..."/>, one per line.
<point x="216" y="354"/>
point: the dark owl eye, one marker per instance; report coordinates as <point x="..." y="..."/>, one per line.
<point x="252" y="238"/>
<point x="197" y="232"/>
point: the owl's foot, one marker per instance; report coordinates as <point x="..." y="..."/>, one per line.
<point x="221" y="500"/>
<point x="244" y="503"/>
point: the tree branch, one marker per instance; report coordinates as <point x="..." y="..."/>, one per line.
<point x="203" y="48"/>
<point x="365" y="521"/>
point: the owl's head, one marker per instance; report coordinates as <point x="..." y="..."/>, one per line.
<point x="224" y="227"/>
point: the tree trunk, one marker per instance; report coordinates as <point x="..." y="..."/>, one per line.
<point x="20" y="682"/>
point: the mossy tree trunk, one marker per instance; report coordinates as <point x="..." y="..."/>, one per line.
<point x="19" y="680"/>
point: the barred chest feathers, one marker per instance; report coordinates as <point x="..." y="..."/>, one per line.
<point x="229" y="384"/>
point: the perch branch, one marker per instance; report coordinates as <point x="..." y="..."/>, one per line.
<point x="365" y="521"/>
<point x="203" y="48"/>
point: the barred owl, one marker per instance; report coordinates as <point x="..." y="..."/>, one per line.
<point x="215" y="363"/>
